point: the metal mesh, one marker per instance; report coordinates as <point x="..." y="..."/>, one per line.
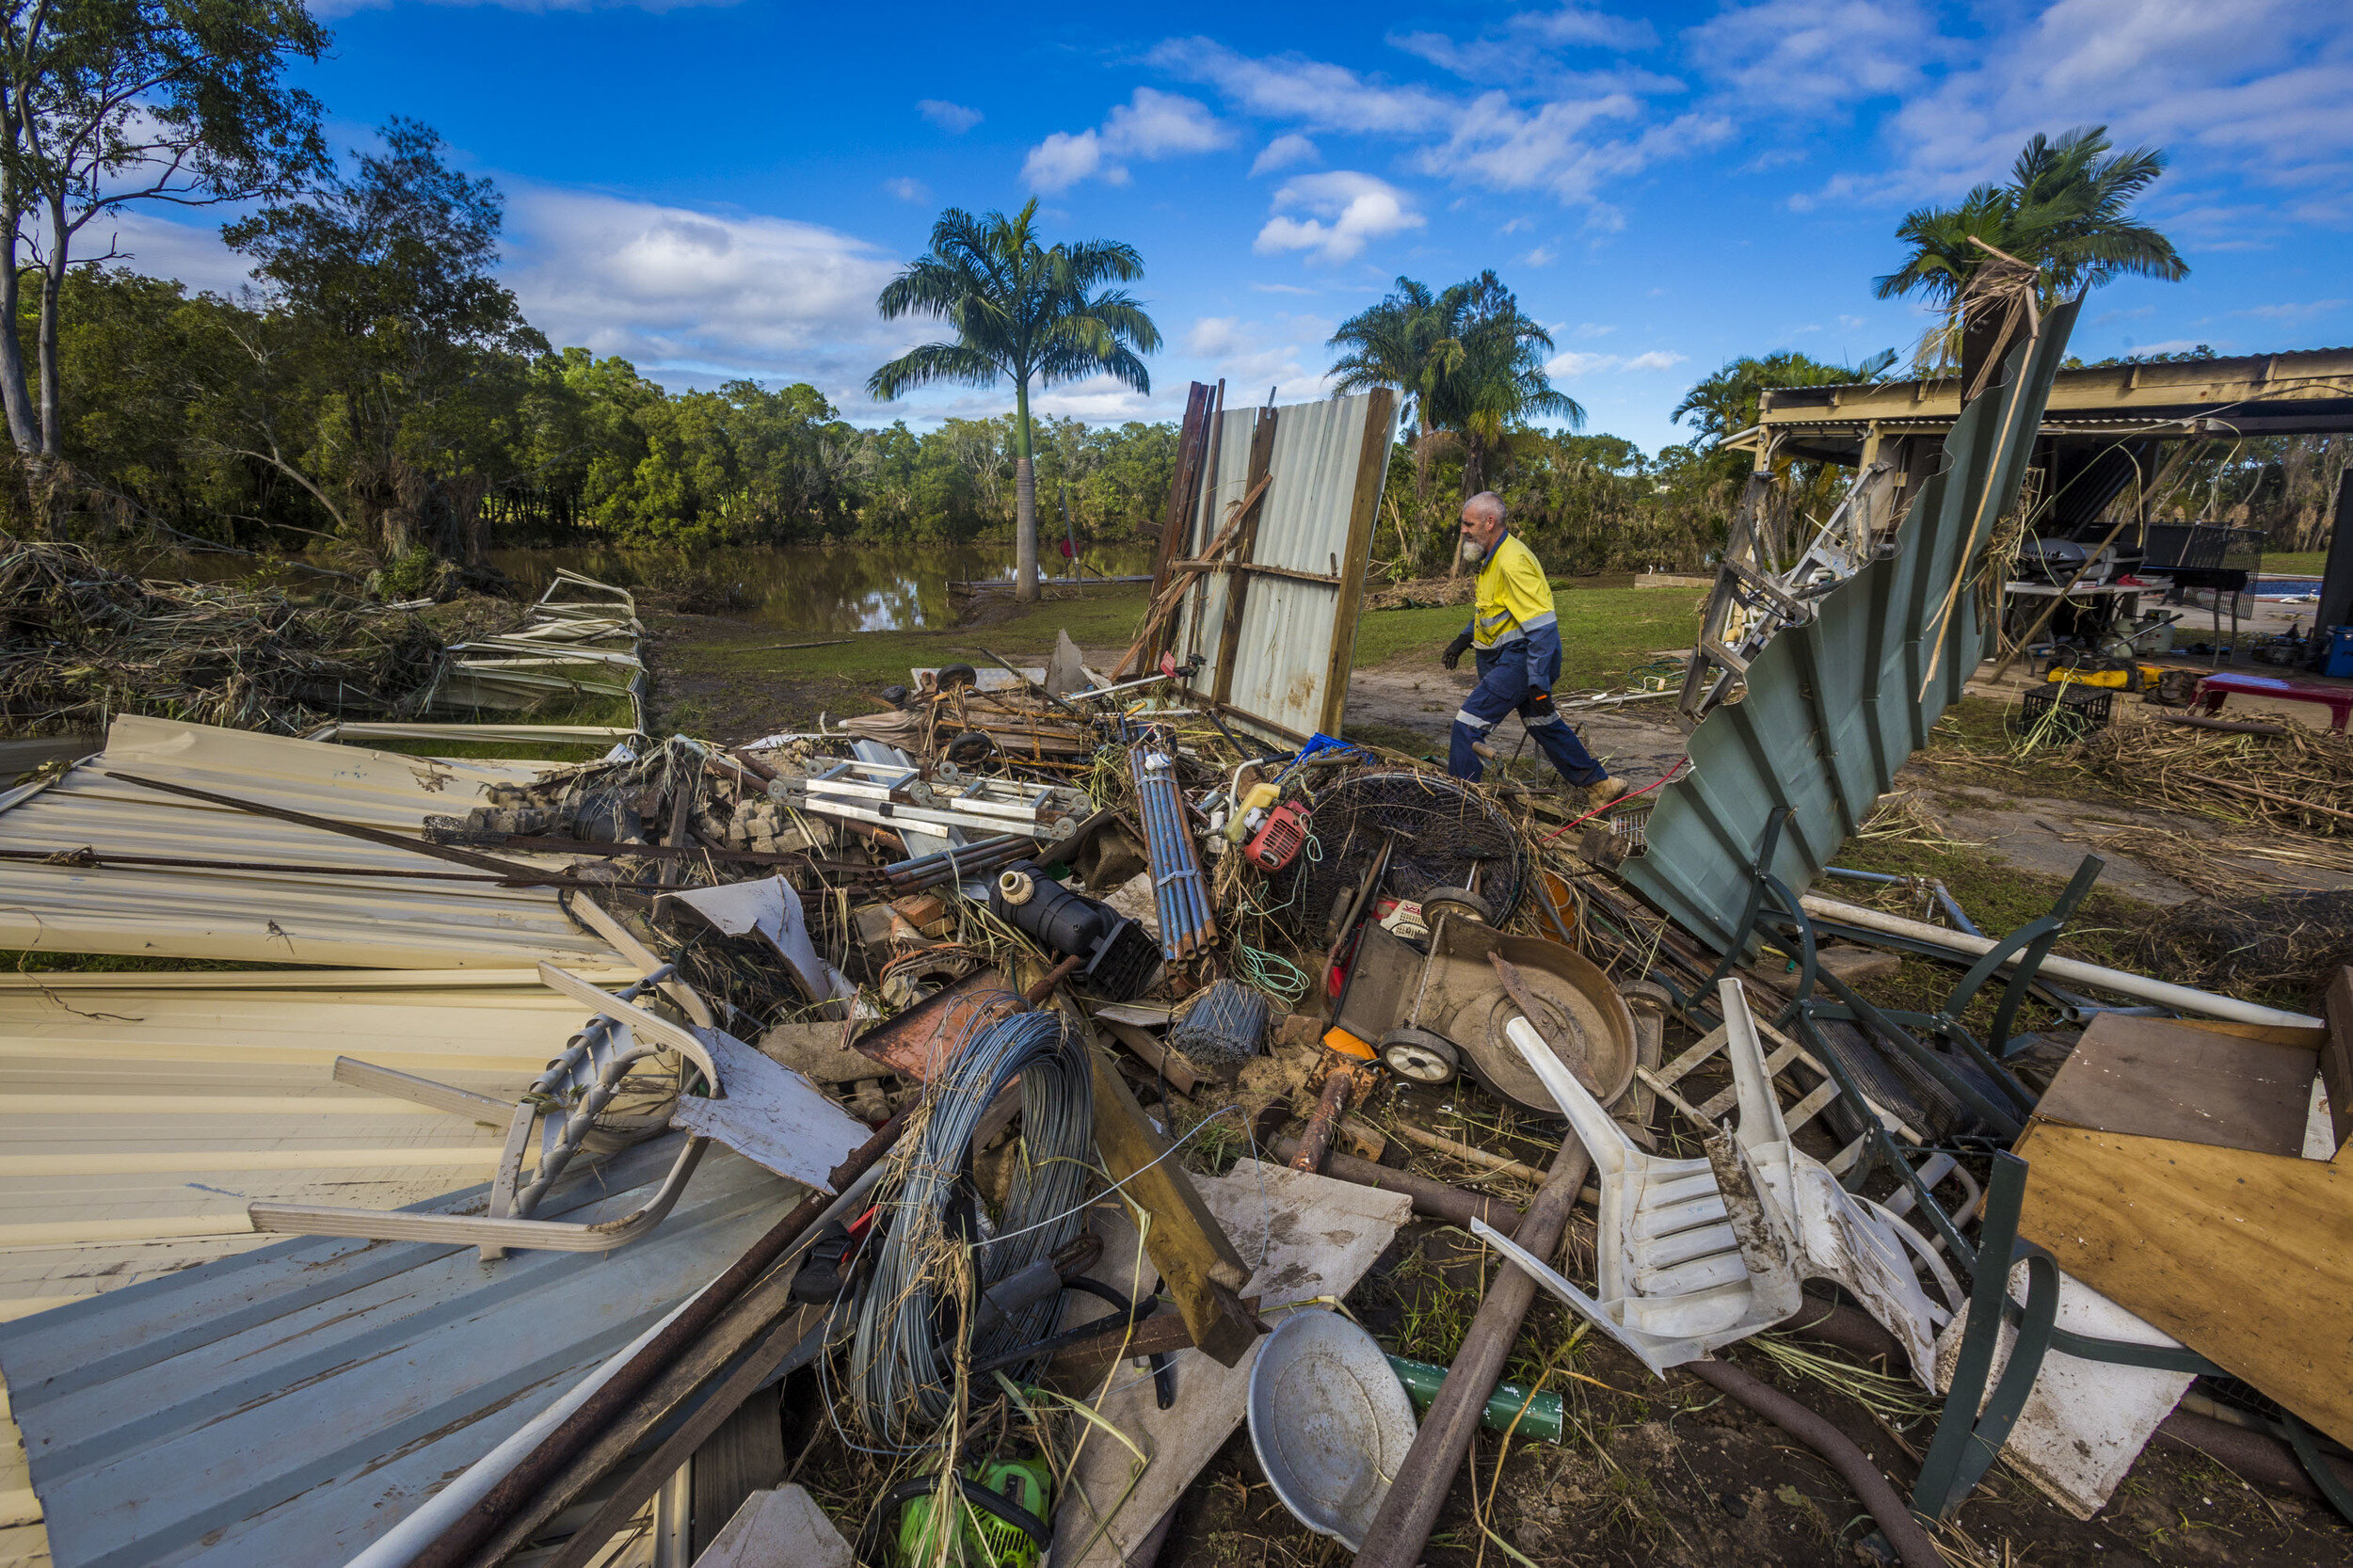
<point x="1446" y="834"/>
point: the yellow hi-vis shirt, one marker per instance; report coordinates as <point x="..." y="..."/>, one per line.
<point x="1513" y="598"/>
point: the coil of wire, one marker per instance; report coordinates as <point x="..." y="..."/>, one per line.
<point x="909" y="1316"/>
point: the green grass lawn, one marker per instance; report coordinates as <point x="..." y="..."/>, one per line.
<point x="2304" y="563"/>
<point x="1604" y="631"/>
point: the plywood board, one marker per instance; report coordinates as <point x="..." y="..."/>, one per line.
<point x="2157" y="1079"/>
<point x="2247" y="1258"/>
<point x="1307" y="1236"/>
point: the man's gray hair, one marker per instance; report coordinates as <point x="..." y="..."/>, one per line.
<point x="1486" y="506"/>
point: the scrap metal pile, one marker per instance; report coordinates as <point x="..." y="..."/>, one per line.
<point x="989" y="1103"/>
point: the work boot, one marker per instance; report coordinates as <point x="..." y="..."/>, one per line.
<point x="1606" y="791"/>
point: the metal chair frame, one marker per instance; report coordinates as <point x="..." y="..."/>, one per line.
<point x="1968" y="1439"/>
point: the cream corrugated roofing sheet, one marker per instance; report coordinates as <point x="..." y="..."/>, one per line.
<point x="139" y="1114"/>
<point x="192" y="911"/>
<point x="1289" y="627"/>
<point x="290" y="1404"/>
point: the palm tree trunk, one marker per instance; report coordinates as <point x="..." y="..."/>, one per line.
<point x="1472" y="470"/>
<point x="1024" y="501"/>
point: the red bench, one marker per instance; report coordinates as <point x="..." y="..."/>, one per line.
<point x="2212" y="689"/>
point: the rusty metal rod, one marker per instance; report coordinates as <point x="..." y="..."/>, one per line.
<point x="1317" y="1140"/>
<point x="1436" y="1199"/>
<point x="1401" y="1529"/>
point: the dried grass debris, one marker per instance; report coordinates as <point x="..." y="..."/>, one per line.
<point x="80" y="642"/>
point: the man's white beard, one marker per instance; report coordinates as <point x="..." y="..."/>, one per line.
<point x="1473" y="552"/>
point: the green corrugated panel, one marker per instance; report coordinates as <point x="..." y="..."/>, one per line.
<point x="1836" y="706"/>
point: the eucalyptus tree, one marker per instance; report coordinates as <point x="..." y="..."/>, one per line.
<point x="1020" y="312"/>
<point x="386" y="360"/>
<point x="108" y="104"/>
<point x="2066" y="211"/>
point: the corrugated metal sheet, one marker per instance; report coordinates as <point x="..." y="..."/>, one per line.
<point x="1836" y="705"/>
<point x="581" y="639"/>
<point x="265" y="916"/>
<point x="1314" y="502"/>
<point x="140" y="1113"/>
<point x="290" y="1404"/>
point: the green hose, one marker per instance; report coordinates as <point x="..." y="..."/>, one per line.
<point x="1541" y="1421"/>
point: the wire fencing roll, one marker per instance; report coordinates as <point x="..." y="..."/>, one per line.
<point x="911" y="1314"/>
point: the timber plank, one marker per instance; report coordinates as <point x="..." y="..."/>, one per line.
<point x="2336" y="1055"/>
<point x="1196" y="1261"/>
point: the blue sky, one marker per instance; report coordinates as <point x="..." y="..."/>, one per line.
<point x="720" y="189"/>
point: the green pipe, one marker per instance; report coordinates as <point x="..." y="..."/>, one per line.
<point x="1541" y="1422"/>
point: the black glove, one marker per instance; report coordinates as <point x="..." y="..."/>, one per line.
<point x="1453" y="657"/>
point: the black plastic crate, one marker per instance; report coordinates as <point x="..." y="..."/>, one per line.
<point x="2080" y="709"/>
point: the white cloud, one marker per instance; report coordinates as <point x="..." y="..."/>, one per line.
<point x="2252" y="91"/>
<point x="1499" y="145"/>
<point x="2176" y="346"/>
<point x="1152" y="125"/>
<point x="1525" y="47"/>
<point x="159" y="247"/>
<point x="1284" y="288"/>
<point x="2291" y="312"/>
<point x="1571" y="364"/>
<point x="1360" y="208"/>
<point x="1817" y="54"/>
<point x="2106" y="316"/>
<point x="1251" y="354"/>
<point x="955" y="118"/>
<point x="909" y="189"/>
<point x="1852" y="322"/>
<point x="702" y="295"/>
<point x="1584" y="24"/>
<point x="1284" y="151"/>
<point x="1063" y="159"/>
<point x="1541" y="256"/>
<point x="1291" y="86"/>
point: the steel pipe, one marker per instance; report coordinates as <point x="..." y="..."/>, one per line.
<point x="2181" y="999"/>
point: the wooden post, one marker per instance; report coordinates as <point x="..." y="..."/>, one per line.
<point x="1373" y="467"/>
<point x="1402" y="1528"/>
<point x="1199" y="1264"/>
<point x="1184" y="485"/>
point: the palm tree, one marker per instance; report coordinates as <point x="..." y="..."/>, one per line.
<point x="1020" y="312"/>
<point x="1726" y="403"/>
<point x="2077" y="199"/>
<point x="1393" y="344"/>
<point x="1396" y="343"/>
<point x="1490" y="373"/>
<point x="2066" y="211"/>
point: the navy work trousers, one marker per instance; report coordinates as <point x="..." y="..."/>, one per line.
<point x="1503" y="688"/>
